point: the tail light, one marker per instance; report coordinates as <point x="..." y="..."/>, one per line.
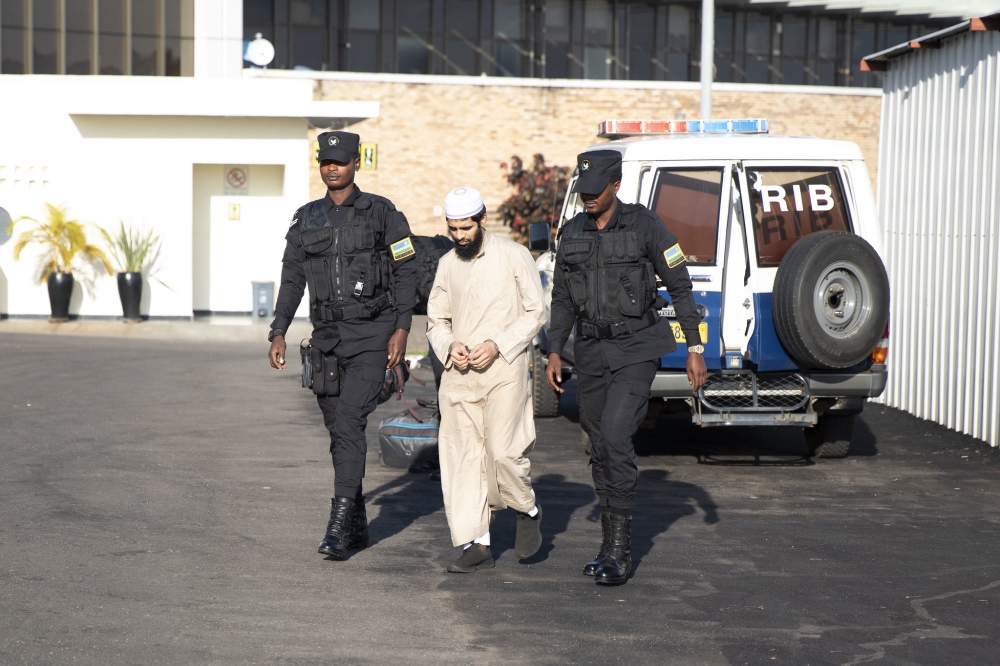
<point x="881" y="351"/>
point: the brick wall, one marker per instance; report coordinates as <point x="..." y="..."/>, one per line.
<point x="433" y="137"/>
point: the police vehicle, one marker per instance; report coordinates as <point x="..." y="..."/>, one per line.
<point x="784" y="249"/>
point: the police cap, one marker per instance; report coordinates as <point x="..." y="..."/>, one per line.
<point x="338" y="146"/>
<point x="597" y="168"/>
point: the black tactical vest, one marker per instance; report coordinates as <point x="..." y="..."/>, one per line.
<point x="611" y="281"/>
<point x="347" y="268"/>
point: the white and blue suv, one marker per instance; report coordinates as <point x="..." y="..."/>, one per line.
<point x="784" y="249"/>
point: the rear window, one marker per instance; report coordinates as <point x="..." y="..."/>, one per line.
<point x="788" y="204"/>
<point x="687" y="201"/>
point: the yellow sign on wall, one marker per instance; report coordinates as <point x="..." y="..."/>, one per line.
<point x="369" y="156"/>
<point x="234" y="211"/>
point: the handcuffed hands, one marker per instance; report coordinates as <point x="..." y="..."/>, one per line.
<point x="459" y="355"/>
<point x="483" y="354"/>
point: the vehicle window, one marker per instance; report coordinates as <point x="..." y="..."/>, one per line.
<point x="687" y="200"/>
<point x="572" y="205"/>
<point x="788" y="204"/>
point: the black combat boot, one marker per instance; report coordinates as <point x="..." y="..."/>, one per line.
<point x="617" y="564"/>
<point x="358" y="537"/>
<point x="335" y="543"/>
<point x="590" y="568"/>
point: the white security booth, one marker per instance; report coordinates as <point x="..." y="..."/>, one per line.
<point x="215" y="166"/>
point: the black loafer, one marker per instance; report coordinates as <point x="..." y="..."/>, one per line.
<point x="529" y="534"/>
<point x="475" y="556"/>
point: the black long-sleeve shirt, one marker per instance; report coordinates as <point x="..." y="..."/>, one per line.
<point x="643" y="345"/>
<point x="351" y="336"/>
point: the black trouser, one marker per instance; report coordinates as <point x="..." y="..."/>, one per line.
<point x="612" y="406"/>
<point x="346" y="416"/>
<point x="437" y="366"/>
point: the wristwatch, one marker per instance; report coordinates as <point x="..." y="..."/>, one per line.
<point x="697" y="349"/>
<point x="275" y="332"/>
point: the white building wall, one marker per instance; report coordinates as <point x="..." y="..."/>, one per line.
<point x="939" y="201"/>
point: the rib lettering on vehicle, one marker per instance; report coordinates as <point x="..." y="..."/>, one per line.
<point x="402" y="249"/>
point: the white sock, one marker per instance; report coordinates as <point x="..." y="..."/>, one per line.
<point x="533" y="512"/>
<point x="483" y="540"/>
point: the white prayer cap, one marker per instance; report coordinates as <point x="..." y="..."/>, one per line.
<point x="462" y="203"/>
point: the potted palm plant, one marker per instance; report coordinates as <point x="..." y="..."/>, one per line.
<point x="62" y="240"/>
<point x="134" y="251"/>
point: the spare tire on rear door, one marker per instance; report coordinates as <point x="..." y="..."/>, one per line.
<point x="830" y="300"/>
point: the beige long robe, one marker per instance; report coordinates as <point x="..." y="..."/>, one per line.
<point x="487" y="422"/>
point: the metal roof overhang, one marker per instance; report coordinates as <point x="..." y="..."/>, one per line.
<point x="878" y="62"/>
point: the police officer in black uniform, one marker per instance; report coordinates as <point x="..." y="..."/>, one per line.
<point x="354" y="251"/>
<point x="604" y="283"/>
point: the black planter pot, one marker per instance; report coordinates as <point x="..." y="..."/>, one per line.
<point x="60" y="290"/>
<point x="130" y="291"/>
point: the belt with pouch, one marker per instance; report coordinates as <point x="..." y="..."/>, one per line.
<point x="588" y="329"/>
<point x="354" y="310"/>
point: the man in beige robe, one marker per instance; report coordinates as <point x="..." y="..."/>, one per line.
<point x="484" y="309"/>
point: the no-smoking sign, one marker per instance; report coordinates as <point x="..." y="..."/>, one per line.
<point x="236" y="179"/>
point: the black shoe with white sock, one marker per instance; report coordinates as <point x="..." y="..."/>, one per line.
<point x="475" y="556"/>
<point x="529" y="534"/>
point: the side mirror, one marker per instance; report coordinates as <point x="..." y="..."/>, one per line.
<point x="538" y="237"/>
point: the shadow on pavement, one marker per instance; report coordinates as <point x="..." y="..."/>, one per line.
<point x="401" y="502"/>
<point x="660" y="503"/>
<point x="863" y="442"/>
<point x="559" y="499"/>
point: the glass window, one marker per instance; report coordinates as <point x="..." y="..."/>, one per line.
<point x="363" y="37"/>
<point x="862" y="43"/>
<point x="788" y="204"/>
<point x="597" y="22"/>
<point x="363" y="14"/>
<point x="172" y="41"/>
<point x="111" y="49"/>
<point x="724" y="63"/>
<point x="145" y="37"/>
<point x="642" y="31"/>
<point x="413" y="38"/>
<point x="825" y="73"/>
<point x="678" y="56"/>
<point x="508" y="34"/>
<point x="45" y="41"/>
<point x="556" y="38"/>
<point x="462" y="33"/>
<point x="758" y="48"/>
<point x="12" y="36"/>
<point x="258" y="16"/>
<point x="793" y="50"/>
<point x="79" y="37"/>
<point x="687" y="201"/>
<point x="308" y="34"/>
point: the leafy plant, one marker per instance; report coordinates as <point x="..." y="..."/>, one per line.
<point x="538" y="195"/>
<point x="63" y="239"/>
<point x="131" y="248"/>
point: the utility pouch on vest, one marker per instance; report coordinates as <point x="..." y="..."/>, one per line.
<point x="320" y="372"/>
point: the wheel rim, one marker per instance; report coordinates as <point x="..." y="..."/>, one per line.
<point x="842" y="300"/>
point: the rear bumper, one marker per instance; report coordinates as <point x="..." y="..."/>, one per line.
<point x="868" y="384"/>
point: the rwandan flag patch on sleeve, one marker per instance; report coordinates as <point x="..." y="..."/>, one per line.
<point x="402" y="249"/>
<point x="674" y="256"/>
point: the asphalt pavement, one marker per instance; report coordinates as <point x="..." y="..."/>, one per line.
<point x="161" y="503"/>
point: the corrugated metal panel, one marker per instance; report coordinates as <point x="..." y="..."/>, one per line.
<point x="939" y="202"/>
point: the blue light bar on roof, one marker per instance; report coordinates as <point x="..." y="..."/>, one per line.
<point x="618" y="128"/>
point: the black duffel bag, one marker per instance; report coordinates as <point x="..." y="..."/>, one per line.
<point x="408" y="438"/>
